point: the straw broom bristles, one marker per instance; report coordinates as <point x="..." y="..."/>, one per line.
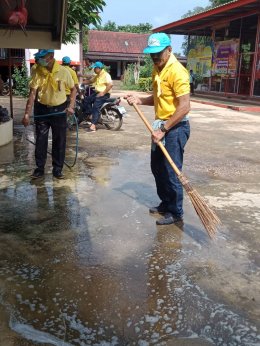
<point x="207" y="216"/>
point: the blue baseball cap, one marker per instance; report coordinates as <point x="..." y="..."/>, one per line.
<point x="36" y="56"/>
<point x="66" y="60"/>
<point x="43" y="52"/>
<point x="97" y="64"/>
<point x="157" y="42"/>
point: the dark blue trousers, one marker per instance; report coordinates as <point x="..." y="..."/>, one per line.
<point x="92" y="105"/>
<point x="58" y="125"/>
<point x="169" y="188"/>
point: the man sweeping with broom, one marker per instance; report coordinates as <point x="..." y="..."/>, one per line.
<point x="171" y="101"/>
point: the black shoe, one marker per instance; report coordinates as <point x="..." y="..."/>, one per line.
<point x="158" y="210"/>
<point x="58" y="175"/>
<point x="37" y="174"/>
<point x="169" y="219"/>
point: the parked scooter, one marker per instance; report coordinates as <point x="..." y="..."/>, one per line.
<point x="6" y="89"/>
<point x="111" y="114"/>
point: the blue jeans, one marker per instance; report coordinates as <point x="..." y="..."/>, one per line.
<point x="169" y="188"/>
<point x="92" y="105"/>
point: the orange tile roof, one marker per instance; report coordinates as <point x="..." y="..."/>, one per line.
<point x="116" y="42"/>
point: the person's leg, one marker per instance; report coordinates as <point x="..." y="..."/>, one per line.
<point x="86" y="107"/>
<point x="58" y="126"/>
<point x="192" y="88"/>
<point x="41" y="145"/>
<point x="99" y="101"/>
<point x="175" y="141"/>
<point x="87" y="104"/>
<point x="157" y="167"/>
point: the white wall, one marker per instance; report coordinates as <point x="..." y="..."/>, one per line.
<point x="71" y="50"/>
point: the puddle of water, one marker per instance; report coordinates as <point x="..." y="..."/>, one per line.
<point x="82" y="262"/>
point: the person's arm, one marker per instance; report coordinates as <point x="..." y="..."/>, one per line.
<point x="28" y="108"/>
<point x="89" y="80"/>
<point x="147" y="100"/>
<point x="182" y="109"/>
<point x="70" y="108"/>
<point x="78" y="89"/>
<point x="108" y="87"/>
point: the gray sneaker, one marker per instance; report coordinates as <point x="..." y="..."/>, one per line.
<point x="169" y="219"/>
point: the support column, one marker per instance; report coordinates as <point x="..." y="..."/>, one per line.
<point x="257" y="42"/>
<point x="118" y="72"/>
<point x="27" y="61"/>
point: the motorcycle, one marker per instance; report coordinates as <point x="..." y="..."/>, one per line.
<point x="6" y="89"/>
<point x="111" y="113"/>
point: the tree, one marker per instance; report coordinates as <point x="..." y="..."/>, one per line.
<point x="142" y="28"/>
<point x="81" y="13"/>
<point x="197" y="10"/>
<point x="21" y="80"/>
<point x="215" y="3"/>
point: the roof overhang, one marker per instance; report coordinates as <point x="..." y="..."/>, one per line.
<point x="203" y="23"/>
<point x="45" y="27"/>
<point x="115" y="56"/>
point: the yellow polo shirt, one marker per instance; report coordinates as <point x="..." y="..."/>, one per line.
<point x="51" y="85"/>
<point x="100" y="81"/>
<point x="168" y="84"/>
<point x="74" y="77"/>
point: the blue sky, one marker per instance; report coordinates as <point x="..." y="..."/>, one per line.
<point x="155" y="12"/>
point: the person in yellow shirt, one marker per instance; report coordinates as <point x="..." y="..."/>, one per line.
<point x="171" y="101"/>
<point x="66" y="63"/>
<point x="50" y="80"/>
<point x="103" y="83"/>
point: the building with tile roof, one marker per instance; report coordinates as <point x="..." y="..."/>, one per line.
<point x="116" y="49"/>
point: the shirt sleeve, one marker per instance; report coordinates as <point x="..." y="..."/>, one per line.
<point x="68" y="80"/>
<point x="181" y="81"/>
<point x="74" y="77"/>
<point x="108" y="79"/>
<point x="33" y="84"/>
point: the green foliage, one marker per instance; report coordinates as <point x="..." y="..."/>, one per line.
<point x="85" y="39"/>
<point x="145" y="79"/>
<point x="128" y="78"/>
<point x="82" y="13"/>
<point x="21" y="80"/>
<point x="147" y="68"/>
<point x="109" y="26"/>
<point x="215" y="3"/>
<point x="142" y="28"/>
<point x="197" y="10"/>
<point x="145" y="84"/>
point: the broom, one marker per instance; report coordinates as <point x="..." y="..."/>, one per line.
<point x="207" y="216"/>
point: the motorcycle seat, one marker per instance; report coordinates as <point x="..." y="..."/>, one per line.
<point x="112" y="100"/>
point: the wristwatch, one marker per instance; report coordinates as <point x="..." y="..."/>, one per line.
<point x="162" y="128"/>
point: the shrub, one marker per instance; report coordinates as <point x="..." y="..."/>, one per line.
<point x="21" y="80"/>
<point x="147" y="69"/>
<point x="145" y="84"/>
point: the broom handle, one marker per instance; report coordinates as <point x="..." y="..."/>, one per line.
<point x="162" y="147"/>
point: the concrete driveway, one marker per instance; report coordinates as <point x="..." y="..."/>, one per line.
<point x="83" y="263"/>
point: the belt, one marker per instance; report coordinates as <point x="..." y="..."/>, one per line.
<point x="58" y="107"/>
<point x="45" y="110"/>
<point x="181" y="123"/>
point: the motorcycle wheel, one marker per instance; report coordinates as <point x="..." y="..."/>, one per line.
<point x="115" y="119"/>
<point x="6" y="91"/>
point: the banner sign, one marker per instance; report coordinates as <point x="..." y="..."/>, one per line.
<point x="199" y="58"/>
<point x="225" y="58"/>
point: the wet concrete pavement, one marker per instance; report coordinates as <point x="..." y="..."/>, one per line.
<point x="83" y="263"/>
